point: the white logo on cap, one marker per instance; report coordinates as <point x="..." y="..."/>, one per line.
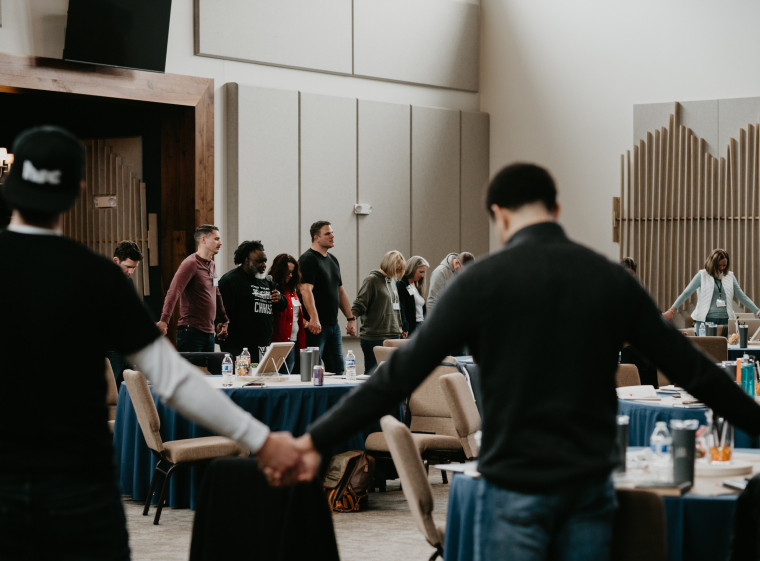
<point x="30" y="173"/>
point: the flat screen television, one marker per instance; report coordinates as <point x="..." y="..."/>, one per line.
<point x="122" y="33"/>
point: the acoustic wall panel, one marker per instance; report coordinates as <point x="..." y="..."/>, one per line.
<point x="475" y="168"/>
<point x="384" y="182"/>
<point x="432" y="42"/>
<point x="328" y="176"/>
<point x="262" y="169"/>
<point x="699" y="116"/>
<point x="735" y="114"/>
<point x="435" y="183"/>
<point x="293" y="33"/>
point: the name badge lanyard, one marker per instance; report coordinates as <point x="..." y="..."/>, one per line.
<point x="720" y="303"/>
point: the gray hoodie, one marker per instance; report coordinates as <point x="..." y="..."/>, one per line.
<point x="439" y="279"/>
<point x="374" y="304"/>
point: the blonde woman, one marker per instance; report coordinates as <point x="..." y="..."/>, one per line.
<point x="717" y="287"/>
<point x="412" y="290"/>
<point x="379" y="307"/>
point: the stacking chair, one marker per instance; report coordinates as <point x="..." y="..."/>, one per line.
<point x="638" y="530"/>
<point x="463" y="411"/>
<point x="112" y="396"/>
<point x="627" y="375"/>
<point x="432" y="427"/>
<point x="394" y="342"/>
<point x="715" y="348"/>
<point x="382" y="353"/>
<point x="414" y="481"/>
<point x="175" y="454"/>
<point x="744" y="316"/>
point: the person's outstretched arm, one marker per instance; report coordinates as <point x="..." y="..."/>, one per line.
<point x="744" y="299"/>
<point x="695" y="283"/>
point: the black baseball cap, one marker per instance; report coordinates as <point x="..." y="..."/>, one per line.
<point x="48" y="167"/>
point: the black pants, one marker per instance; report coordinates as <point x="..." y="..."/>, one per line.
<point x="61" y="518"/>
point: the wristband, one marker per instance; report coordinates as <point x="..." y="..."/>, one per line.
<point x="350" y="319"/>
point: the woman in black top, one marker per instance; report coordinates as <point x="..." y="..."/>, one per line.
<point x="412" y="291"/>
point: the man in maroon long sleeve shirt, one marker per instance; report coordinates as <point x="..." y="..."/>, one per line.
<point x="200" y="303"/>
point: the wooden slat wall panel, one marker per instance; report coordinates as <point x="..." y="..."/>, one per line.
<point x="678" y="203"/>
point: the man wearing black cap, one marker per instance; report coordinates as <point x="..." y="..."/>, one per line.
<point x="58" y="497"/>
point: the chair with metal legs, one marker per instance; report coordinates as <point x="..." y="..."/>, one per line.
<point x="177" y="453"/>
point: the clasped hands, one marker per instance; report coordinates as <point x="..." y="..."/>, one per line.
<point x="285" y="460"/>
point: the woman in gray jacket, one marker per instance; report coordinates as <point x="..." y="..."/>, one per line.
<point x="379" y="307"/>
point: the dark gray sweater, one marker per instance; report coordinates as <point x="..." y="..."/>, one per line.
<point x="545" y="318"/>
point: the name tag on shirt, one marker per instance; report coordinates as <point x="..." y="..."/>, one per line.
<point x="216" y="281"/>
<point x="396" y="306"/>
<point x="410" y="289"/>
<point x="720" y="303"/>
<point x="295" y="301"/>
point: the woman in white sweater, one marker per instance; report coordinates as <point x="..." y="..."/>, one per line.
<point x="715" y="299"/>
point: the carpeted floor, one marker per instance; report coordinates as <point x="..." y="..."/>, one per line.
<point x="385" y="531"/>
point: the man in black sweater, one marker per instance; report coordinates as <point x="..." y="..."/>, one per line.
<point x="548" y="425"/>
<point x="249" y="301"/>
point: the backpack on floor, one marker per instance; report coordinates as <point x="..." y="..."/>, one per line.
<point x="348" y="479"/>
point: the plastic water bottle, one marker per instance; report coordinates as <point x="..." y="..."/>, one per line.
<point x="227" y="371"/>
<point x="701" y="329"/>
<point x="350" y="366"/>
<point x="661" y="464"/>
<point x="245" y="358"/>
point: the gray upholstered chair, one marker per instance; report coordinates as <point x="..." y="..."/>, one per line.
<point x="177" y="453"/>
<point x="394" y="342"/>
<point x="382" y="353"/>
<point x="112" y="396"/>
<point x="627" y="375"/>
<point x="638" y="530"/>
<point x="431" y="424"/>
<point x="414" y="481"/>
<point x="715" y="348"/>
<point x="463" y="411"/>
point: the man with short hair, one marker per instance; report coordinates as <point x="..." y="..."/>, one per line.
<point x="250" y="301"/>
<point x="66" y="487"/>
<point x="197" y="287"/>
<point x="548" y="431"/>
<point x="127" y="257"/>
<point x="323" y="294"/>
<point x="443" y="273"/>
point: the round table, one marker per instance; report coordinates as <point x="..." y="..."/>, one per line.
<point x="289" y="406"/>
<point x="698" y="527"/>
<point x="645" y="414"/>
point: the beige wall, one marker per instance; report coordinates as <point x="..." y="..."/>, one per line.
<point x="560" y="79"/>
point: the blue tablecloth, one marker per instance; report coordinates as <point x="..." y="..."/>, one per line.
<point x="644" y="416"/>
<point x="291" y="409"/>
<point x="698" y="528"/>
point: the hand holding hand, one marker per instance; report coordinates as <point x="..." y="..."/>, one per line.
<point x="404" y="334"/>
<point x="310" y="458"/>
<point x="276" y="296"/>
<point x="351" y="328"/>
<point x="162" y="327"/>
<point x="314" y="326"/>
<point x="279" y="458"/>
<point x="221" y="331"/>
<point x="668" y="315"/>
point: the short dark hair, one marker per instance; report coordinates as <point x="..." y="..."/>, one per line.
<point x="40" y="218"/>
<point x="465" y="257"/>
<point x="279" y="270"/>
<point x="317" y="227"/>
<point x="127" y="249"/>
<point x="520" y="184"/>
<point x="629" y="263"/>
<point x="245" y="249"/>
<point x="203" y="231"/>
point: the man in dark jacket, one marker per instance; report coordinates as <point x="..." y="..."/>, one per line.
<point x="250" y="302"/>
<point x="548" y="428"/>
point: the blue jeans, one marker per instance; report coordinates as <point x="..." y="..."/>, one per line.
<point x="716" y="321"/>
<point x="573" y="523"/>
<point x="368" y="348"/>
<point x="192" y="340"/>
<point x="61" y="518"/>
<point x="330" y="345"/>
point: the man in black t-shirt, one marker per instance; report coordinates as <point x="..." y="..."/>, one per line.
<point x="323" y="294"/>
<point x="249" y="301"/>
<point x="57" y="478"/>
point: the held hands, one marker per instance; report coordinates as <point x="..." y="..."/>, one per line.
<point x="162" y="327"/>
<point x="286" y="460"/>
<point x="276" y="296"/>
<point x="351" y="328"/>
<point x="669" y="314"/>
<point x="404" y="334"/>
<point x="314" y="326"/>
<point x="221" y="331"/>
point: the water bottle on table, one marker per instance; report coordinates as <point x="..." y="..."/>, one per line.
<point x="701" y="329"/>
<point x="227" y="371"/>
<point x="661" y="464"/>
<point x="350" y="366"/>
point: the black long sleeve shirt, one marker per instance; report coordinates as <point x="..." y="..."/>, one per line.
<point x="547" y="342"/>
